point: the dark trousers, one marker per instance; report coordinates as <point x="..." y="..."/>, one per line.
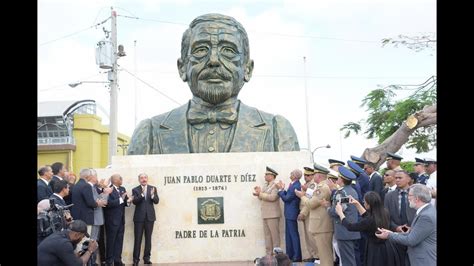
<point x="346" y="248"/>
<point x="139" y="229"/>
<point x="360" y="249"/>
<point x="292" y="240"/>
<point x="102" y="243"/>
<point x="114" y="243"/>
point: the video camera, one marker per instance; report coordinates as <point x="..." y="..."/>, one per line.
<point x="55" y="219"/>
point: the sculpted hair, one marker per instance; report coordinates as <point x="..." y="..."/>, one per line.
<point x="421" y="192"/>
<point x="218" y="18"/>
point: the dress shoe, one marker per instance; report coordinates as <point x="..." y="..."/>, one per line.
<point x="148" y="262"/>
<point x="309" y="260"/>
<point x="119" y="263"/>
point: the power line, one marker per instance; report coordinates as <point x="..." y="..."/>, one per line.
<point x="329" y="77"/>
<point x="146" y="83"/>
<point x="155" y="20"/>
<point x="261" y="32"/>
<point x="74" y="33"/>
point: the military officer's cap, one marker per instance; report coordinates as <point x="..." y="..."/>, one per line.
<point x="346" y="173"/>
<point x="308" y="171"/>
<point x="393" y="156"/>
<point x="419" y="161"/>
<point x="358" y="160"/>
<point x="333" y="174"/>
<point x="333" y="162"/>
<point x="354" y="167"/>
<point x="430" y="161"/>
<point x="320" y="169"/>
<point x="270" y="171"/>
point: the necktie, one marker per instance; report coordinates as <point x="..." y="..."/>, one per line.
<point x="144" y="192"/>
<point x="199" y="113"/>
<point x="403" y="209"/>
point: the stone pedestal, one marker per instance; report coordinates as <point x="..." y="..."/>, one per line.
<point x="206" y="211"/>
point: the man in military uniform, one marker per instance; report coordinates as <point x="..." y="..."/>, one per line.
<point x="334" y="164"/>
<point x="346" y="240"/>
<point x="419" y="167"/>
<point x="304" y="214"/>
<point x="356" y="165"/>
<point x="271" y="211"/>
<point x="320" y="223"/>
<point x="393" y="161"/>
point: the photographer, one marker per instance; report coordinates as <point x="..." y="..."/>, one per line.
<point x="51" y="218"/>
<point x="58" y="248"/>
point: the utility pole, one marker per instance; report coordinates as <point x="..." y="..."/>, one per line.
<point x="306" y="100"/>
<point x="113" y="92"/>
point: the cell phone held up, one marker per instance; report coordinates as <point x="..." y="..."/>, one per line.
<point x="344" y="200"/>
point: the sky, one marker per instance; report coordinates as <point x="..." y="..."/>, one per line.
<point x="322" y="56"/>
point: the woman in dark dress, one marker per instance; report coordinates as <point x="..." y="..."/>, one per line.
<point x="378" y="252"/>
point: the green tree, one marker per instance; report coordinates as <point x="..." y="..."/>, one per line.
<point x="395" y="122"/>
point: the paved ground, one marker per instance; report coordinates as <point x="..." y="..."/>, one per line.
<point x="234" y="263"/>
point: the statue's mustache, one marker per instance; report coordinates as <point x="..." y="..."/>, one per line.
<point x="215" y="74"/>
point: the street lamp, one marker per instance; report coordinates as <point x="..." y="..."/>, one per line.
<point x="324" y="146"/>
<point x="73" y="85"/>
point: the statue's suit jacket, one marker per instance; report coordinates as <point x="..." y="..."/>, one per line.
<point x="255" y="131"/>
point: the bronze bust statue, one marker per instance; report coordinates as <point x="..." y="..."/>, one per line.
<point x="215" y="62"/>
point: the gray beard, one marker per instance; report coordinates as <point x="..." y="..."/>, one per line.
<point x="213" y="94"/>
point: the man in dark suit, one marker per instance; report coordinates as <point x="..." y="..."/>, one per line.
<point x="395" y="199"/>
<point x="215" y="62"/>
<point x="60" y="173"/>
<point x="114" y="215"/>
<point x="61" y="190"/>
<point x="43" y="189"/>
<point x="144" y="198"/>
<point x="421" y="238"/>
<point x="292" y="209"/>
<point x="375" y="180"/>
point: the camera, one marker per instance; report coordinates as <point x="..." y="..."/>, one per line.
<point x="344" y="200"/>
<point x="84" y="248"/>
<point x="277" y="250"/>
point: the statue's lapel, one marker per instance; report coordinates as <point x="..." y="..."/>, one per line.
<point x="250" y="132"/>
<point x="173" y="133"/>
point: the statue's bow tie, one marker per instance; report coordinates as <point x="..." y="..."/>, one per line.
<point x="201" y="114"/>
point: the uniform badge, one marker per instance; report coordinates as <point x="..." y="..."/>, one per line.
<point x="311" y="186"/>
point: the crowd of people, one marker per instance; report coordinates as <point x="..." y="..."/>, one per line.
<point x="351" y="215"/>
<point x="92" y="217"/>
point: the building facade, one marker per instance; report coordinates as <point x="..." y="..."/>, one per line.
<point x="71" y="132"/>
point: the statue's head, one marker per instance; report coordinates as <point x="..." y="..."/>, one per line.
<point x="215" y="57"/>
